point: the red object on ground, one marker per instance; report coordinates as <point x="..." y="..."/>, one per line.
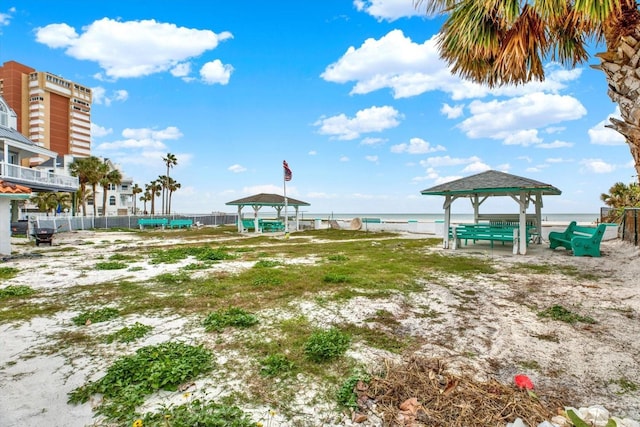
<point x="523" y="381"/>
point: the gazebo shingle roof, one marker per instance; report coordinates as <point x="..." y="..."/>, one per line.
<point x="267" y="199"/>
<point x="491" y="183"/>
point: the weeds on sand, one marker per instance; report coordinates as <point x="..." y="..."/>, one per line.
<point x="275" y="365"/>
<point x="324" y="345"/>
<point x="173" y="278"/>
<point x="8" y="272"/>
<point x="200" y="253"/>
<point x="129" y="333"/>
<point x="197" y="413"/>
<point x="233" y="316"/>
<point x="111" y="265"/>
<point x="558" y="312"/>
<point x="625" y="385"/>
<point x="347" y="395"/>
<point x="131" y="378"/>
<point x="95" y="316"/>
<point x="16" y="291"/>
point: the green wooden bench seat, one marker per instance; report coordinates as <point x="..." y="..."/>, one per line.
<point x="371" y="221"/>
<point x="270" y="225"/>
<point x="249" y="224"/>
<point x="181" y="222"/>
<point x="152" y="222"/>
<point x="583" y="241"/>
<point x="486" y="232"/>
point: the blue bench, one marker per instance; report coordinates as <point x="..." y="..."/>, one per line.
<point x="179" y="223"/>
<point x="152" y="222"/>
<point x="371" y="221"/>
<point x="583" y="241"/>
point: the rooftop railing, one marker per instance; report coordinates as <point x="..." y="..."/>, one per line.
<point x="37" y="177"/>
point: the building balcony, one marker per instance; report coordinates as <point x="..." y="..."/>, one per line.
<point x="37" y="180"/>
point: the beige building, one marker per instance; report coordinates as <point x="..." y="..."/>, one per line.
<point x="53" y="112"/>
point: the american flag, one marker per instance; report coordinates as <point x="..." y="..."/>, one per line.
<point x="287" y="171"/>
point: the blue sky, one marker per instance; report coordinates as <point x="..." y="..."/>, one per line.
<point x="352" y="94"/>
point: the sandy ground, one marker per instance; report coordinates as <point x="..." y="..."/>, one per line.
<point x="485" y="325"/>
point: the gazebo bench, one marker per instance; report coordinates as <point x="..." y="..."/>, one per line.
<point x="486" y="232"/>
<point x="249" y="224"/>
<point x="271" y="225"/>
<point x="152" y="222"/>
<point x="583" y="241"/>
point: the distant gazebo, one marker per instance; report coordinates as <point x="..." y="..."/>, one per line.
<point x="8" y="192"/>
<point x="275" y="201"/>
<point x="480" y="187"/>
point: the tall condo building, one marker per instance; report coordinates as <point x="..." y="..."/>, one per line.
<point x="53" y="112"/>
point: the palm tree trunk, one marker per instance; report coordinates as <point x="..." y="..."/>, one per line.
<point x="622" y="69"/>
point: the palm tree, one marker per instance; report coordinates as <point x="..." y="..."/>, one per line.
<point x="170" y="160"/>
<point x="94" y="179"/>
<point x="621" y="196"/>
<point x="153" y="188"/>
<point x="144" y="199"/>
<point x="172" y="187"/>
<point x="163" y="181"/>
<point x="135" y="190"/>
<point x="113" y="177"/>
<point x="504" y="42"/>
<point x="45" y="201"/>
<point x="63" y="201"/>
<point x="84" y="168"/>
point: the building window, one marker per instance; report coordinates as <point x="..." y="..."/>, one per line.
<point x="125" y="187"/>
<point x="90" y="201"/>
<point x="112" y="201"/>
<point x="4" y="115"/>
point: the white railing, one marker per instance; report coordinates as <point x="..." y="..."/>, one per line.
<point x="36" y="176"/>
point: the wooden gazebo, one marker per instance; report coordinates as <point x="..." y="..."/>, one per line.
<point x="480" y="187"/>
<point x="275" y="201"/>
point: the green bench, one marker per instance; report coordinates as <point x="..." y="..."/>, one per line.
<point x="249" y="224"/>
<point x="179" y="223"/>
<point x="152" y="222"/>
<point x="269" y="225"/>
<point x="486" y="232"/>
<point x="583" y="241"/>
<point x="371" y="221"/>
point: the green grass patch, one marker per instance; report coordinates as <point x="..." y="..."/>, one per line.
<point x="197" y="413"/>
<point x="16" y="291"/>
<point x="95" y="316"/>
<point x="558" y="312"/>
<point x="129" y="333"/>
<point x="346" y="395"/>
<point x="200" y="253"/>
<point x="233" y="316"/>
<point x="325" y="345"/>
<point x="131" y="378"/>
<point x="275" y="365"/>
<point x="8" y="273"/>
<point x="265" y="263"/>
<point x="110" y="265"/>
<point x="173" y="278"/>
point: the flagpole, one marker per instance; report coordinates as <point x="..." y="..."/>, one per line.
<point x="286" y="215"/>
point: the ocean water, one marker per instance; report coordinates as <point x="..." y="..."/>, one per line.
<point x="433" y="217"/>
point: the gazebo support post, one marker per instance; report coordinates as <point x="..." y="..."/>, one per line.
<point x="297" y="218"/>
<point x="522" y="241"/>
<point x="538" y="205"/>
<point x="256" y="221"/>
<point x="447" y="221"/>
<point x="240" y="227"/>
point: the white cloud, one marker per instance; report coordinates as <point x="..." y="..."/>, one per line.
<point x="452" y="112"/>
<point x="374" y="119"/>
<point x="99" y="131"/>
<point x="99" y="96"/>
<point x="522" y="115"/>
<point x="373" y="159"/>
<point x="344" y="159"/>
<point x="171" y="132"/>
<point x="388" y="10"/>
<point x="126" y="49"/>
<point x="556" y="160"/>
<point x="372" y="141"/>
<point x="5" y="18"/>
<point x="556" y="144"/>
<point x="181" y="70"/>
<point x="268" y="188"/>
<point x="236" y="168"/>
<point x="476" y="167"/>
<point x="448" y="161"/>
<point x="407" y="68"/>
<point x="601" y="135"/>
<point x="416" y="146"/>
<point x="216" y="72"/>
<point x="597" y="166"/>
<point x="313" y="152"/>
